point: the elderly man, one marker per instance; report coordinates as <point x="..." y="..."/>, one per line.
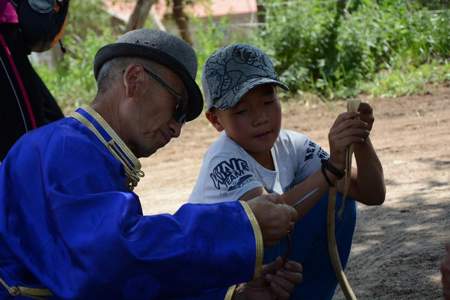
<point x="70" y="225"/>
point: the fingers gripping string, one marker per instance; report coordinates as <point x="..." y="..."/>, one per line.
<point x="352" y="106"/>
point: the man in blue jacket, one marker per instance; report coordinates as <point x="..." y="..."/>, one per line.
<point x="70" y="225"/>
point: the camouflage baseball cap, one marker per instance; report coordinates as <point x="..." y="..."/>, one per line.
<point x="234" y="70"/>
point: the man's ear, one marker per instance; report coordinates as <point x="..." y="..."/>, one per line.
<point x="133" y="78"/>
<point x="213" y="118"/>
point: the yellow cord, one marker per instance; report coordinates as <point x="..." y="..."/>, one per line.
<point x="352" y="106"/>
<point x="332" y="247"/>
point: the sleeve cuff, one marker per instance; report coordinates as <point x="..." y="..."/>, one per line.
<point x="230" y="292"/>
<point x="258" y="239"/>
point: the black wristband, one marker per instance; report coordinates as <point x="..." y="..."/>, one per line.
<point x="324" y="172"/>
<point x="333" y="170"/>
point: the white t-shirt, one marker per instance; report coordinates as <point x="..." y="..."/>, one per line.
<point x="228" y="171"/>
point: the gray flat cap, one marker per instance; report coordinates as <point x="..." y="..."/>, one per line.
<point x="163" y="48"/>
<point x="233" y="71"/>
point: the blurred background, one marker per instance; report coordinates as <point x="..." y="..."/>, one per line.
<point x="332" y="49"/>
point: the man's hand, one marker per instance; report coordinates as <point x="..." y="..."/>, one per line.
<point x="445" y="271"/>
<point x="349" y="128"/>
<point x="278" y="282"/>
<point x="274" y="218"/>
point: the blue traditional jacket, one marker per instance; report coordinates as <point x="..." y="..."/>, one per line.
<point x="71" y="228"/>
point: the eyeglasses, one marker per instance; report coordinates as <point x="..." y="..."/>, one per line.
<point x="180" y="114"/>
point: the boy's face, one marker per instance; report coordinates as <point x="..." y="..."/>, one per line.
<point x="254" y="123"/>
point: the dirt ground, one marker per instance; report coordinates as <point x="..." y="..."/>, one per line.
<point x="397" y="247"/>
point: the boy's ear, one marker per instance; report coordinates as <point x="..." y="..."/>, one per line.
<point x="214" y="120"/>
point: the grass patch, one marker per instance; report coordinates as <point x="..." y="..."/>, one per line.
<point x="407" y="80"/>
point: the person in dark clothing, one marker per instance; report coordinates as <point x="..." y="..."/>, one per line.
<point x="26" y="101"/>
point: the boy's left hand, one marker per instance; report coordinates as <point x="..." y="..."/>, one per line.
<point x="286" y="277"/>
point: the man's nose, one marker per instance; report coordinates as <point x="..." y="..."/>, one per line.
<point x="175" y="128"/>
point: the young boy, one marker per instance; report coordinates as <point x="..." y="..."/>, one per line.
<point x="254" y="155"/>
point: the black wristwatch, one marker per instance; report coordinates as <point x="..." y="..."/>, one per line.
<point x="333" y="170"/>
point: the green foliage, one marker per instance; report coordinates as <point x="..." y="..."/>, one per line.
<point x="89" y="28"/>
<point x="72" y="81"/>
<point x="85" y="16"/>
<point x="407" y="80"/>
<point x="210" y="35"/>
<point x="321" y="48"/>
<point x="382" y="47"/>
<point x="433" y="4"/>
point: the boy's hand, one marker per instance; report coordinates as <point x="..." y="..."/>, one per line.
<point x="274" y="218"/>
<point x="283" y="277"/>
<point x="278" y="282"/>
<point x="445" y="271"/>
<point x="349" y="128"/>
<point x="366" y="114"/>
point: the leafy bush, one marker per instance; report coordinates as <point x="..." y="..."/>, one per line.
<point x="321" y="48"/>
<point x="72" y="81"/>
<point x="407" y="80"/>
<point x="374" y="46"/>
<point x="208" y="37"/>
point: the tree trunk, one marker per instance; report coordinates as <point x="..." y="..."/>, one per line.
<point x="140" y="14"/>
<point x="182" y="20"/>
<point x="260" y="12"/>
<point x="157" y="21"/>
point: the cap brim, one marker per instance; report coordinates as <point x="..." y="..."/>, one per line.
<point x="232" y="99"/>
<point x="108" y="52"/>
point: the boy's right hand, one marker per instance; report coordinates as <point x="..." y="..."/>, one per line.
<point x="275" y="219"/>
